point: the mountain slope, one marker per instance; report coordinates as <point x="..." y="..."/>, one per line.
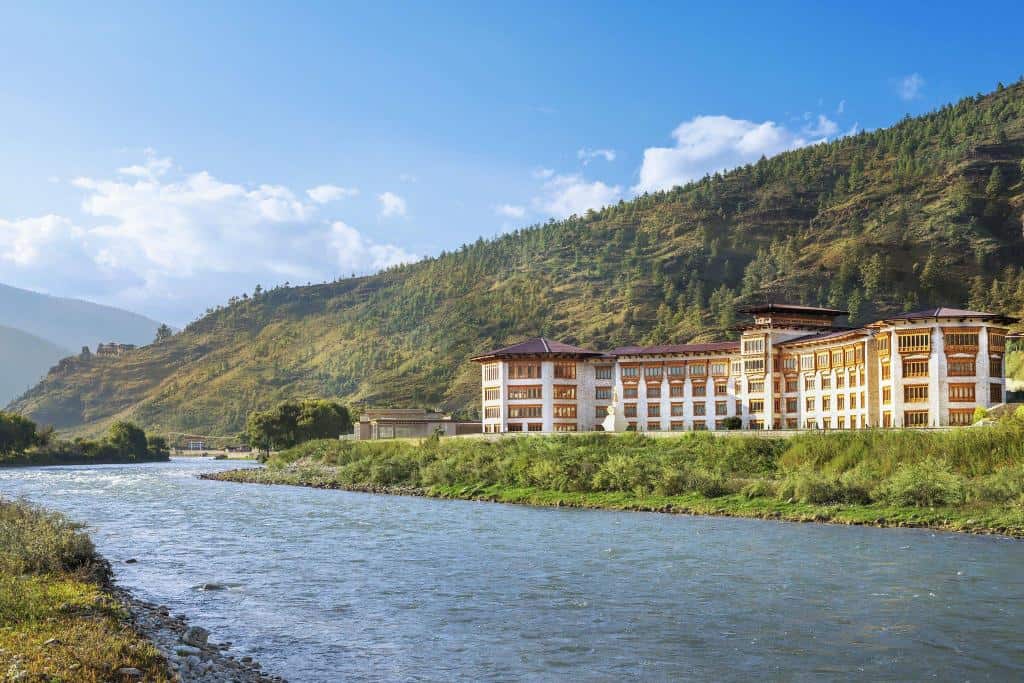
<point x="71" y="323"/>
<point x="24" y="360"/>
<point x="926" y="212"/>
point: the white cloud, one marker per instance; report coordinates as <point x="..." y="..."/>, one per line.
<point x="391" y="205"/>
<point x="152" y="168"/>
<point x="324" y="194"/>
<point x="564" y="195"/>
<point x="842" y="107"/>
<point x="171" y="244"/>
<point x="706" y="144"/>
<point x="543" y="173"/>
<point x="587" y="155"/>
<point x="510" y="210"/>
<point x="822" y="127"/>
<point x="909" y="87"/>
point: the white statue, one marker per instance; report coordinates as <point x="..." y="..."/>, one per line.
<point x="615" y="422"/>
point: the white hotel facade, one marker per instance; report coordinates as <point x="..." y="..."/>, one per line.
<point x="792" y="368"/>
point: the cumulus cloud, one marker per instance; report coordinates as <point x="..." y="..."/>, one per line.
<point x="821" y="127"/>
<point x="172" y="243"/>
<point x="324" y="194"/>
<point x="706" y="144"/>
<point x="391" y="205"/>
<point x="510" y="210"/>
<point x="909" y="87"/>
<point x="587" y="155"/>
<point x="564" y="195"/>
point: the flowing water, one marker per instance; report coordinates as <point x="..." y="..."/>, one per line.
<point x="329" y="585"/>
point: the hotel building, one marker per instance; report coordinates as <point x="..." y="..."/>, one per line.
<point x="792" y="368"/>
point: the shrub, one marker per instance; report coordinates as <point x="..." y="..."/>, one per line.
<point x="35" y="541"/>
<point x="922" y="484"/>
<point x="624" y="473"/>
<point x="732" y="423"/>
<point x="761" y="488"/>
<point x="979" y="414"/>
<point x="1003" y="485"/>
<point x="809" y="486"/>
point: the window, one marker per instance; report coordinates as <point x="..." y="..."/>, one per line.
<point x="853" y="401"/>
<point x="887" y="419"/>
<point x="757" y="387"/>
<point x="698" y="370"/>
<point x="721" y="407"/>
<point x="995" y="366"/>
<point x="523" y="392"/>
<point x="491" y="372"/>
<point x="535" y="427"/>
<point x="523" y="411"/>
<point x="915" y="341"/>
<point x="791" y="405"/>
<point x="887" y="395"/>
<point x="809" y="405"/>
<point x="565" y="427"/>
<point x="961" y="367"/>
<point x="826" y="403"/>
<point x="848" y="356"/>
<point x="915" y="368"/>
<point x="565" y="371"/>
<point x="823" y="359"/>
<point x="653" y="391"/>
<point x="720" y="368"/>
<point x="961" y="392"/>
<point x="654" y="426"/>
<point x="676" y="371"/>
<point x="754" y="365"/>
<point x="564" y="411"/>
<point x="629" y="410"/>
<point x="882" y="343"/>
<point x="837" y="358"/>
<point x="995" y="393"/>
<point x="841" y="423"/>
<point x="700" y="409"/>
<point x="492" y="394"/>
<point x="630" y="371"/>
<point x="916" y="393"/>
<point x="629" y="392"/>
<point x="676" y="390"/>
<point x="826" y="422"/>
<point x="792" y="423"/>
<point x="858" y="354"/>
<point x="654" y="410"/>
<point x="915" y="418"/>
<point x="886" y="371"/>
<point x="678" y="426"/>
<point x="792" y="386"/>
<point x="807" y="362"/>
<point x="565" y="392"/>
<point x="700" y="426"/>
<point x="810" y="383"/>
<point x="492" y="412"/>
<point x="652" y="371"/>
<point x="961" y="417"/>
<point x="737" y="367"/>
<point x="721" y="389"/>
<point x="810" y="423"/>
<point x="853" y="380"/>
<point x="789" y="363"/>
<point x="603" y="372"/>
<point x="826" y="381"/>
<point x="739" y="407"/>
<point x="600" y="411"/>
<point x="515" y="427"/>
<point x="840" y="381"/>
<point x="524" y="370"/>
<point x="700" y="389"/>
<point x="678" y="410"/>
<point x="603" y="393"/>
<point x="755" y="406"/>
<point x="840" y="402"/>
<point x="753" y="346"/>
<point x="961" y="339"/>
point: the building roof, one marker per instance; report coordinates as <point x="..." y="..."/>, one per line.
<point x="945" y="312"/>
<point x="793" y="308"/>
<point x="538" y="346"/>
<point x="665" y="349"/>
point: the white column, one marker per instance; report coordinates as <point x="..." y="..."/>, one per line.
<point x="938" y="398"/>
<point x="547" y="393"/>
<point x="666" y="402"/>
<point x="982" y="366"/>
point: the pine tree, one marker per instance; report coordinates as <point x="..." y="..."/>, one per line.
<point x="994" y="189"/>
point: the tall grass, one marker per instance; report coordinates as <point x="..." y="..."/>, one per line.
<point x="35" y="541"/>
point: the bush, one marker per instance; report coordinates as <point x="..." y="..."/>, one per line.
<point x="979" y="414"/>
<point x="923" y="484"/>
<point x="1001" y="486"/>
<point x="34" y="541"/>
<point x="732" y="423"/>
<point x="762" y="488"/>
<point x="809" y="486"/>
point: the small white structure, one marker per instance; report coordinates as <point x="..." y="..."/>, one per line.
<point x="615" y="422"/>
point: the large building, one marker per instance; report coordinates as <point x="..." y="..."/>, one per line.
<point x="792" y="368"/>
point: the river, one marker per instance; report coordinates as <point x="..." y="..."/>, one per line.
<point x="330" y="585"/>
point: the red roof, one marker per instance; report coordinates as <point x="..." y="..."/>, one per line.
<point x="538" y="346"/>
<point x="665" y="349"/>
<point x="945" y="312"/>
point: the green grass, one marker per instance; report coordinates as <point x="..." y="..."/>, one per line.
<point x="58" y="621"/>
<point x="965" y="480"/>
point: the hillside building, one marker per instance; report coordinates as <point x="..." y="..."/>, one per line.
<point x="792" y="368"/>
<point x="113" y="349"/>
<point x="399" y="423"/>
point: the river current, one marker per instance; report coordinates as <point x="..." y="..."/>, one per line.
<point x="330" y="585"/>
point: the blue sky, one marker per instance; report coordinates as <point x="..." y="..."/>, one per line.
<point x="163" y="157"/>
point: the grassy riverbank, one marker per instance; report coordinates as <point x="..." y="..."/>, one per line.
<point x="58" y="619"/>
<point x="963" y="480"/>
<point x="23" y="444"/>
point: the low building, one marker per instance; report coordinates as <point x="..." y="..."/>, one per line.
<point x="398" y="423"/>
<point x="113" y="349"/>
<point x="792" y="368"/>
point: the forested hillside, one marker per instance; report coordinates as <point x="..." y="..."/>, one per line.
<point x="928" y="211"/>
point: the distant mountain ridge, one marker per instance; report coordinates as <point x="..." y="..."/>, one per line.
<point x="37" y="330"/>
<point x="927" y="212"/>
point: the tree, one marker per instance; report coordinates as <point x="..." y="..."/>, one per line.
<point x="853" y="305"/>
<point x="16" y="433"/>
<point x="293" y="422"/>
<point x="994" y="188"/>
<point x="871" y="275"/>
<point x="127" y="439"/>
<point x="163" y="332"/>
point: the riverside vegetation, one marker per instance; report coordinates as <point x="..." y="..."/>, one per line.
<point x="22" y="443"/>
<point x="58" y="619"/>
<point x="964" y="480"/>
<point x="926" y="212"/>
